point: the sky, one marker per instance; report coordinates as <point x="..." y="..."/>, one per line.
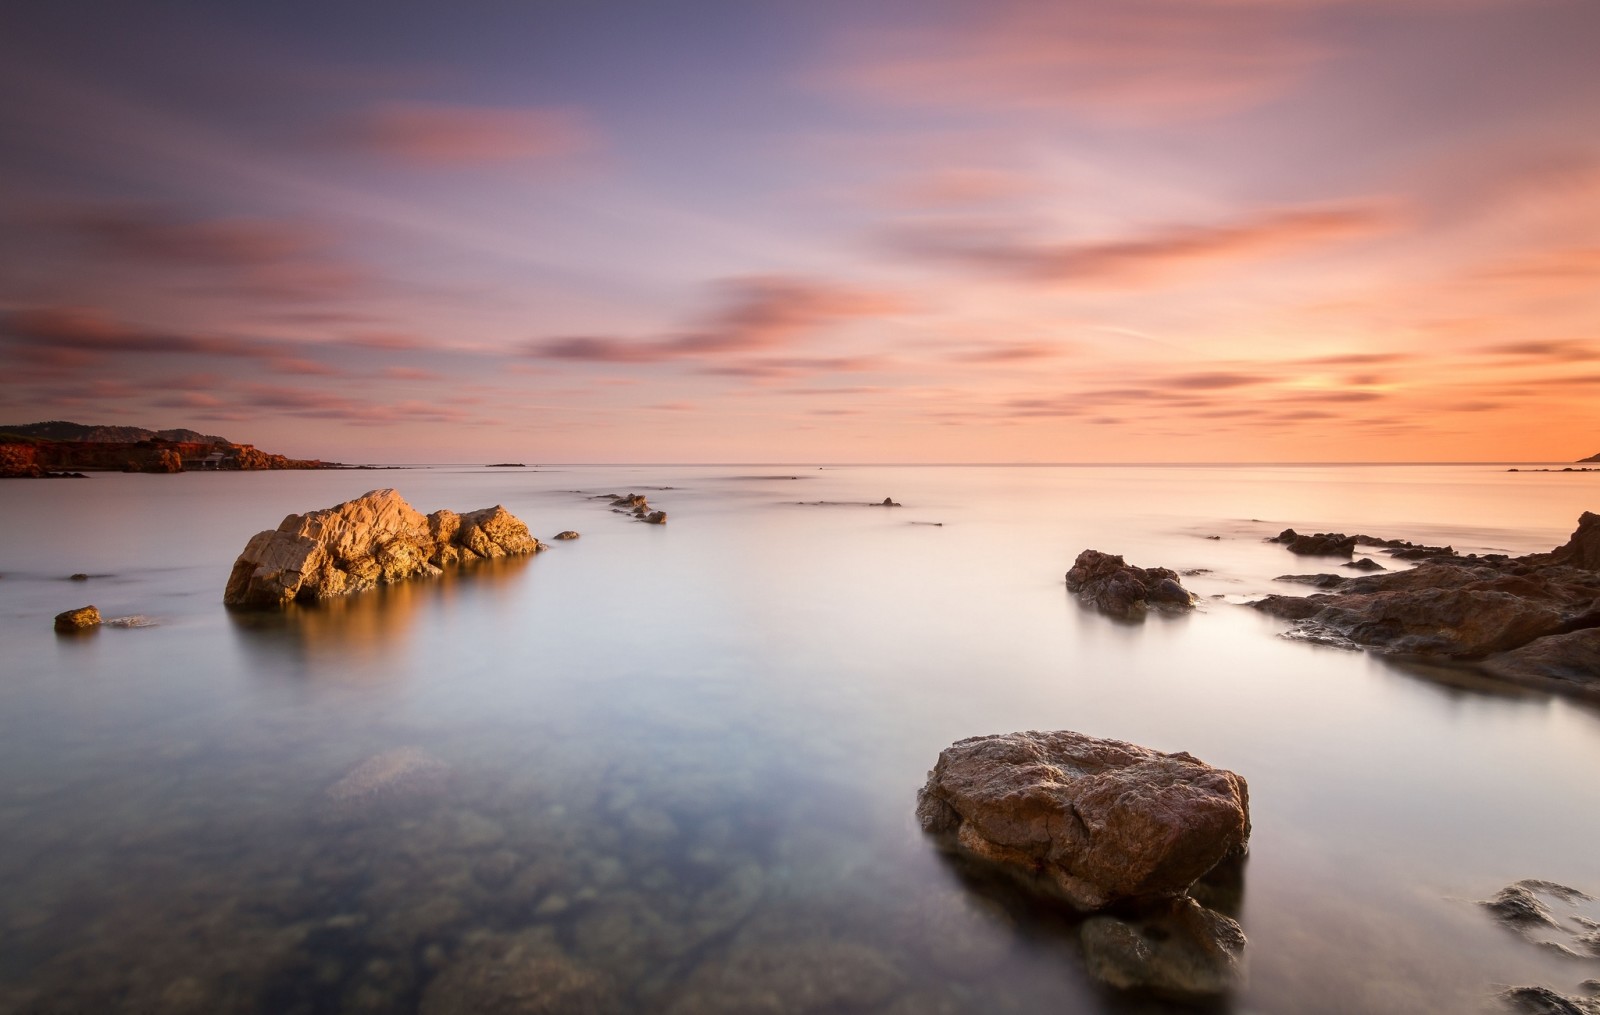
<point x="860" y="231"/>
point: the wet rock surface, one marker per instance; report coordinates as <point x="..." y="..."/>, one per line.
<point x="1086" y="820"/>
<point x="1180" y="948"/>
<point x="1544" y="1001"/>
<point x="73" y="621"/>
<point x="635" y="505"/>
<point x="1526" y="619"/>
<point x="376" y="539"/>
<point x="1551" y="916"/>
<point x="1115" y="587"/>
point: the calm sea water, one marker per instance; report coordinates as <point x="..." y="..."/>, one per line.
<point x="687" y="755"/>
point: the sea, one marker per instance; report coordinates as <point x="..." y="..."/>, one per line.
<point x="683" y="759"/>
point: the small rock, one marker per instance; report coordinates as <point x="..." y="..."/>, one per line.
<point x="1365" y="564"/>
<point x="566" y="534"/>
<point x="79" y="577"/>
<point x="1117" y="588"/>
<point x="1180" y="949"/>
<point x="656" y="518"/>
<point x="81" y="619"/>
<point x="136" y="620"/>
<point x="889" y="502"/>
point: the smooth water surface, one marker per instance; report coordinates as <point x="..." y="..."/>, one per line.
<point x="685" y="757"/>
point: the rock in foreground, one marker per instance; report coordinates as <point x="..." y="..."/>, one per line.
<point x="1091" y="821"/>
<point x="376" y="539"/>
<point x="1107" y="582"/>
<point x="1528" y="619"/>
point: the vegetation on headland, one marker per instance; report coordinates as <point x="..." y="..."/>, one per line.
<point x="57" y="447"/>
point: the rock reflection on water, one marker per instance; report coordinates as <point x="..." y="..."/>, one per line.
<point x="371" y="627"/>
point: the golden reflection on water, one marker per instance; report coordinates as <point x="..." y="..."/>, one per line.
<point x="373" y="627"/>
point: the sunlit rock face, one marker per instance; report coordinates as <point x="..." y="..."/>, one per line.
<point x="376" y="539"/>
<point x="1091" y="821"/>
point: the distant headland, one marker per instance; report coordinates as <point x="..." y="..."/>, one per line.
<point x="57" y="448"/>
<point x="1591" y="458"/>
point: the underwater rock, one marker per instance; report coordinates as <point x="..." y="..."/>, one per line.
<point x="527" y="974"/>
<point x="799" y="977"/>
<point x="1180" y="948"/>
<point x="1091" y="821"/>
<point x="1106" y="582"/>
<point x="81" y="619"/>
<point x="391" y="779"/>
<point x="376" y="539"/>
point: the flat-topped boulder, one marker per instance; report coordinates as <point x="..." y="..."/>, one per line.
<point x="1090" y="821"/>
<point x="1113" y="586"/>
<point x="376" y="539"/>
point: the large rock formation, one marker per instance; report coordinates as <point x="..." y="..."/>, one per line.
<point x="1091" y="821"/>
<point x="1107" y="582"/>
<point x="1530" y="619"/>
<point x="376" y="539"/>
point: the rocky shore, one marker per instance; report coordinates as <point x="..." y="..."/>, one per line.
<point x="54" y="449"/>
<point x="376" y="539"/>
<point x="1532" y="620"/>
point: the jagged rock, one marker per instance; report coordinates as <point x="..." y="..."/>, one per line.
<point x="1321" y="544"/>
<point x="1525" y="908"/>
<point x="81" y="619"/>
<point x="1179" y="948"/>
<point x="1583" y="548"/>
<point x="1088" y="820"/>
<point x="890" y="502"/>
<point x="376" y="539"/>
<point x="1365" y="564"/>
<point x="656" y="518"/>
<point x="566" y="534"/>
<point x="1115" y="587"/>
<point x="1544" y="1001"/>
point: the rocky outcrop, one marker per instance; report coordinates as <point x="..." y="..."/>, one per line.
<point x="636" y="505"/>
<point x="1527" y="619"/>
<point x="1591" y="458"/>
<point x="1108" y="583"/>
<point x="376" y="539"/>
<point x="1321" y="544"/>
<point x="1544" y="1001"/>
<point x="1527" y="908"/>
<point x="81" y="619"/>
<point x="1089" y="821"/>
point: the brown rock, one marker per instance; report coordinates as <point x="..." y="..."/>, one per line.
<point x="656" y="518"/>
<point x="1092" y="821"/>
<point x="1178" y="948"/>
<point x="376" y="539"/>
<point x="523" y="975"/>
<point x="81" y="619"/>
<point x="1321" y="544"/>
<point x="1113" y="586"/>
<point x="566" y="534"/>
<point x="1573" y="657"/>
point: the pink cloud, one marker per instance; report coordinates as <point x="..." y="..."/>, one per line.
<point x="445" y="135"/>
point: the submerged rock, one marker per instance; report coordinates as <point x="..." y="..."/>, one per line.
<point x="376" y="539"/>
<point x="81" y="619"/>
<point x="1088" y="820"/>
<point x="1524" y="907"/>
<point x="1533" y="617"/>
<point x="1107" y="582"/>
<point x="1178" y="948"/>
<point x="801" y="977"/>
<point x="388" y="780"/>
<point x="523" y="975"/>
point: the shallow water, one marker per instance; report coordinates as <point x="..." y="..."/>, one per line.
<point x="686" y="756"/>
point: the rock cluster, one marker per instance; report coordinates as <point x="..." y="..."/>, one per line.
<point x="376" y="539"/>
<point x="1110" y="584"/>
<point x="1531" y="619"/>
<point x="1099" y="824"/>
<point x="636" y="505"/>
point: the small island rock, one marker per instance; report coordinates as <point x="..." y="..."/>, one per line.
<point x="376" y="539"/>
<point x="566" y="535"/>
<point x="81" y="619"/>
<point x="1106" y="581"/>
<point x="1321" y="544"/>
<point x="1088" y="820"/>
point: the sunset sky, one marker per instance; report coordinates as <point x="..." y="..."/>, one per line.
<point x="707" y="231"/>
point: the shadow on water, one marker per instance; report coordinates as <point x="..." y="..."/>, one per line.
<point x="367" y="627"/>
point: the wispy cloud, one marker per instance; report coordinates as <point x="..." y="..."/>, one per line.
<point x="431" y="134"/>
